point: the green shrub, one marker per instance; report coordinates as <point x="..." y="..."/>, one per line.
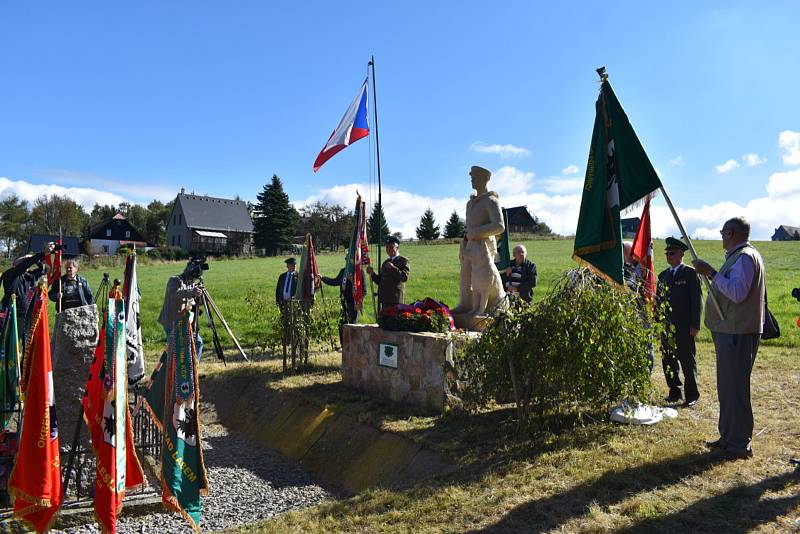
<point x="154" y="254"/>
<point x="581" y="348"/>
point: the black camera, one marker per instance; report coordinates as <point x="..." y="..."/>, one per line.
<point x="796" y="293"/>
<point x="196" y="266"/>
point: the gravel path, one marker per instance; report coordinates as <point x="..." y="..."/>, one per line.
<point x="248" y="483"/>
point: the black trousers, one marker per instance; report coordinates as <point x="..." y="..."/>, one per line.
<point x="679" y="356"/>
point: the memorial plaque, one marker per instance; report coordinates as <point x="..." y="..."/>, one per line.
<point x="387" y="355"/>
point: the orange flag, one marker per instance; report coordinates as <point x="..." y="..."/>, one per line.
<point x="35" y="480"/>
<point x="106" y="384"/>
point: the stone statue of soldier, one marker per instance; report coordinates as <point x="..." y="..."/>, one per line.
<point x="481" y="287"/>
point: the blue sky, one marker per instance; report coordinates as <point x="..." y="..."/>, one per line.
<point x="109" y="101"/>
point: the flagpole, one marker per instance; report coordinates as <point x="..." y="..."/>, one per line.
<point x="691" y="249"/>
<point x="378" y="160"/>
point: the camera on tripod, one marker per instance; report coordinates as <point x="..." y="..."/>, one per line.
<point x="196" y="266"/>
<point x="796" y="293"/>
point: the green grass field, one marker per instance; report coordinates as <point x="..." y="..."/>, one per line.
<point x="434" y="273"/>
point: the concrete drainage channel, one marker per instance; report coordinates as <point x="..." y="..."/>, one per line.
<point x="269" y="452"/>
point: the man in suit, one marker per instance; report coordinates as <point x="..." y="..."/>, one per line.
<point x="679" y="288"/>
<point x="287" y="283"/>
<point x="393" y="275"/>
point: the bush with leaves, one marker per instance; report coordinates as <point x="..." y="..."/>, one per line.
<point x="584" y="346"/>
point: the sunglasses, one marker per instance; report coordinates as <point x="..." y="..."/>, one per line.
<point x="671" y="253"/>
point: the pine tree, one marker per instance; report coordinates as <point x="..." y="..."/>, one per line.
<point x="455" y="226"/>
<point x="274" y="218"/>
<point x="427" y="229"/>
<point x="377" y="220"/>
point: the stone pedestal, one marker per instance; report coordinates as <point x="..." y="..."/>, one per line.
<point x="412" y="368"/>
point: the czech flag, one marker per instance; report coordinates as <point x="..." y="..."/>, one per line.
<point x="350" y="129"/>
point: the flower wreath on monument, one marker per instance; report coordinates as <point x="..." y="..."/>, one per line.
<point x="423" y="316"/>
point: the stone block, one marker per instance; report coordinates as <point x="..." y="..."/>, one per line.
<point x="422" y="361"/>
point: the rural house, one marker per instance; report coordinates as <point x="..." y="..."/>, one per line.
<point x="208" y="225"/>
<point x="786" y="233"/>
<point x="106" y="237"/>
<point x="629" y="227"/>
<point x="520" y="220"/>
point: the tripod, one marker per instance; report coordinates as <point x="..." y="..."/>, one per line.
<point x="210" y="306"/>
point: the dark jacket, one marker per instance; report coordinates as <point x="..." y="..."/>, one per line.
<point x="392" y="281"/>
<point x="684" y="296"/>
<point x="84" y="292"/>
<point x="17" y="281"/>
<point x="346" y="294"/>
<point x="523" y="277"/>
<point x="279" y="286"/>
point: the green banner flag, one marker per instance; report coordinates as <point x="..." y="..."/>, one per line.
<point x="503" y="258"/>
<point x="9" y="367"/>
<point x="618" y="174"/>
<point x="172" y="398"/>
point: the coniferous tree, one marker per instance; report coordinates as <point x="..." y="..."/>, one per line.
<point x="377" y="220"/>
<point x="274" y="218"/>
<point x="455" y="226"/>
<point x="427" y="229"/>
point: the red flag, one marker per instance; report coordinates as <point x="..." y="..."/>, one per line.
<point x="361" y="257"/>
<point x="99" y="413"/>
<point x="642" y="251"/>
<point x="53" y="262"/>
<point x="35" y="480"/>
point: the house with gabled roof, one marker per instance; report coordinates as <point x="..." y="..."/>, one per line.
<point x="201" y="224"/>
<point x="786" y="233"/>
<point x="107" y="236"/>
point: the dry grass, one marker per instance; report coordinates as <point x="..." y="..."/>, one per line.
<point x="596" y="478"/>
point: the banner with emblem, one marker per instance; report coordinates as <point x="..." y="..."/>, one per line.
<point x="172" y="399"/>
<point x="618" y="174"/>
<point x="133" y="330"/>
<point x="108" y="420"/>
<point x="35" y="480"/>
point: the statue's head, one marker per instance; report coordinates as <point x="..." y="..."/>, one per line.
<point x="480" y="177"/>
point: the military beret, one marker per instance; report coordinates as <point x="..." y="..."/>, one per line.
<point x="391" y="239"/>
<point x="480" y="172"/>
<point x="676" y="243"/>
<point x="289" y="260"/>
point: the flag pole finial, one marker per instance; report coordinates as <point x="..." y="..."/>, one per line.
<point x="602" y="73"/>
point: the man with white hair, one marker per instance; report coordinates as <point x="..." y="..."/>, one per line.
<point x="740" y="288"/>
<point x="520" y="276"/>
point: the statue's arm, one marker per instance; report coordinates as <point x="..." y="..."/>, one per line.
<point x="495" y="225"/>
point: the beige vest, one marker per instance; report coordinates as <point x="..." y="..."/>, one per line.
<point x="747" y="317"/>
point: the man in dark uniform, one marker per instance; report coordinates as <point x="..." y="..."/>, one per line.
<point x="393" y="276"/>
<point x="679" y="288"/>
<point x="287" y="283"/>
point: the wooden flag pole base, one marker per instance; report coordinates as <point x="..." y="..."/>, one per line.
<point x="692" y="250"/>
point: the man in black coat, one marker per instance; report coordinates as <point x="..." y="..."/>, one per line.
<point x="285" y="289"/>
<point x="393" y="275"/>
<point x="679" y="288"/>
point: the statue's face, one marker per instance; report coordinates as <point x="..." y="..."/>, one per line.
<point x="478" y="182"/>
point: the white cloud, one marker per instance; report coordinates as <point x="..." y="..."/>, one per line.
<point x="570" y="169"/>
<point x="789" y="141"/>
<point x="765" y="213"/>
<point x="85" y="196"/>
<point x="504" y="151"/>
<point x="510" y="181"/>
<point x="563" y="185"/>
<point x="753" y="159"/>
<point x="676" y="161"/>
<point x="727" y="166"/>
<point x="135" y="190"/>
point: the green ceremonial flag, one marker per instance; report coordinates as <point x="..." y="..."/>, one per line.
<point x="9" y="367"/>
<point x="503" y="252"/>
<point x="618" y="174"/>
<point x="172" y="398"/>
